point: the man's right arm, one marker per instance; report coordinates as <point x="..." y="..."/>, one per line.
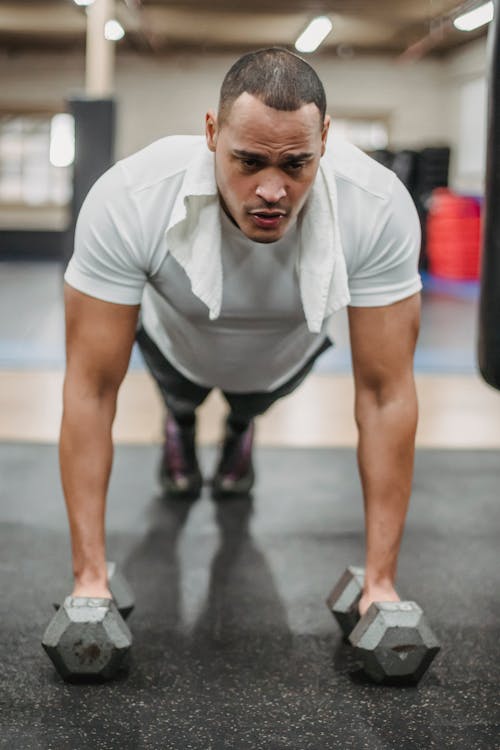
<point x="99" y="339"/>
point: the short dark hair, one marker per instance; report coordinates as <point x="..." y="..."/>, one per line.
<point x="279" y="78"/>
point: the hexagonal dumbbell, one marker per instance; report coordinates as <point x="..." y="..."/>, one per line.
<point x="87" y="637"/>
<point x="393" y="639"/>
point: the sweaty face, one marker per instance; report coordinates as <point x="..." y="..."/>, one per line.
<point x="266" y="161"/>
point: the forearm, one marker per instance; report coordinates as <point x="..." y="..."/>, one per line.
<point x="385" y="455"/>
<point x="86" y="454"/>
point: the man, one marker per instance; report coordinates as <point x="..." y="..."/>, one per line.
<point x="226" y="258"/>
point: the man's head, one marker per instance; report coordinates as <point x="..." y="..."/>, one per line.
<point x="268" y="137"/>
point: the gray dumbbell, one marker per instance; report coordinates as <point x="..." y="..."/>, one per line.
<point x="393" y="639"/>
<point x="87" y="637"/>
<point x="122" y="594"/>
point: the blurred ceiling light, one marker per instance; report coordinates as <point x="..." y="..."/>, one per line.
<point x="113" y="31"/>
<point x="83" y="2"/>
<point x="316" y="32"/>
<point x="62" y="140"/>
<point x="475" y="18"/>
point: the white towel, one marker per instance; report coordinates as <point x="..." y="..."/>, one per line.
<point x="194" y="239"/>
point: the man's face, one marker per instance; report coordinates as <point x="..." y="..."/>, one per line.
<point x="266" y="161"/>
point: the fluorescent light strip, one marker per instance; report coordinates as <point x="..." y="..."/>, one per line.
<point x="62" y="140"/>
<point x="113" y="30"/>
<point x="475" y="18"/>
<point x="316" y="32"/>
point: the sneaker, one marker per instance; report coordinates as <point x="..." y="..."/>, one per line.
<point x="235" y="474"/>
<point x="179" y="470"/>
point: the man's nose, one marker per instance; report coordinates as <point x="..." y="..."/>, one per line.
<point x="271" y="188"/>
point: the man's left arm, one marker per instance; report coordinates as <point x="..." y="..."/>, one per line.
<point x="383" y="342"/>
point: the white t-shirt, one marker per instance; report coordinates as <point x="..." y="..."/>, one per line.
<point x="225" y="311"/>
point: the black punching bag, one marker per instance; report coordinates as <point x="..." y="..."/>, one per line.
<point x="94" y="150"/>
<point x="489" y="308"/>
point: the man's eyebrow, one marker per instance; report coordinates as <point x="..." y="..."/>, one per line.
<point x="298" y="157"/>
<point x="260" y="157"/>
<point x="248" y="155"/>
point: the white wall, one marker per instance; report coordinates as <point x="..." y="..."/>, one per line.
<point x="464" y="84"/>
<point x="172" y="95"/>
<point x="409" y="95"/>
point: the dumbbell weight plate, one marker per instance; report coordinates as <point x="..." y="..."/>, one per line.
<point x="395" y="642"/>
<point x="344" y="598"/>
<point x="87" y="637"/>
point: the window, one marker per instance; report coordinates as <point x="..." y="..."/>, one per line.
<point x="471" y="162"/>
<point x="36" y="157"/>
<point x="367" y="133"/>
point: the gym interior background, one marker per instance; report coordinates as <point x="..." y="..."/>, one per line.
<point x="234" y="646"/>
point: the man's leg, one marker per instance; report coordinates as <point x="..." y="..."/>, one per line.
<point x="179" y="470"/>
<point x="235" y="472"/>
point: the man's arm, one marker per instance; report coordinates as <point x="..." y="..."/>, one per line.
<point x="99" y="339"/>
<point x="383" y="342"/>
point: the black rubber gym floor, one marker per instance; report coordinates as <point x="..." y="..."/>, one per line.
<point x="233" y="644"/>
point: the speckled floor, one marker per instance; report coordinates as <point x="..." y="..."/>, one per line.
<point x="234" y="647"/>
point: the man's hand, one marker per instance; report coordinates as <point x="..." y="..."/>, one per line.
<point x="380" y="593"/>
<point x="92" y="590"/>
<point x="383" y="342"/>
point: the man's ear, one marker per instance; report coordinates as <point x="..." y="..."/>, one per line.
<point x="211" y="129"/>
<point x="324" y="133"/>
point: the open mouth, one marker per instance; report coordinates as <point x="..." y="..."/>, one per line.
<point x="267" y="219"/>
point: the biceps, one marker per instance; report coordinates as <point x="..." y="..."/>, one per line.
<point x="99" y="338"/>
<point x="383" y="343"/>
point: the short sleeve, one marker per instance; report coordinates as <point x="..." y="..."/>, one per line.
<point x="387" y="268"/>
<point x="107" y="260"/>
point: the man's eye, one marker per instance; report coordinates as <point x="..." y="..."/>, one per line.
<point x="295" y="166"/>
<point x="250" y="163"/>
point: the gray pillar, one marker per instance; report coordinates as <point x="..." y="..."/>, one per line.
<point x="489" y="311"/>
<point x="100" y="54"/>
